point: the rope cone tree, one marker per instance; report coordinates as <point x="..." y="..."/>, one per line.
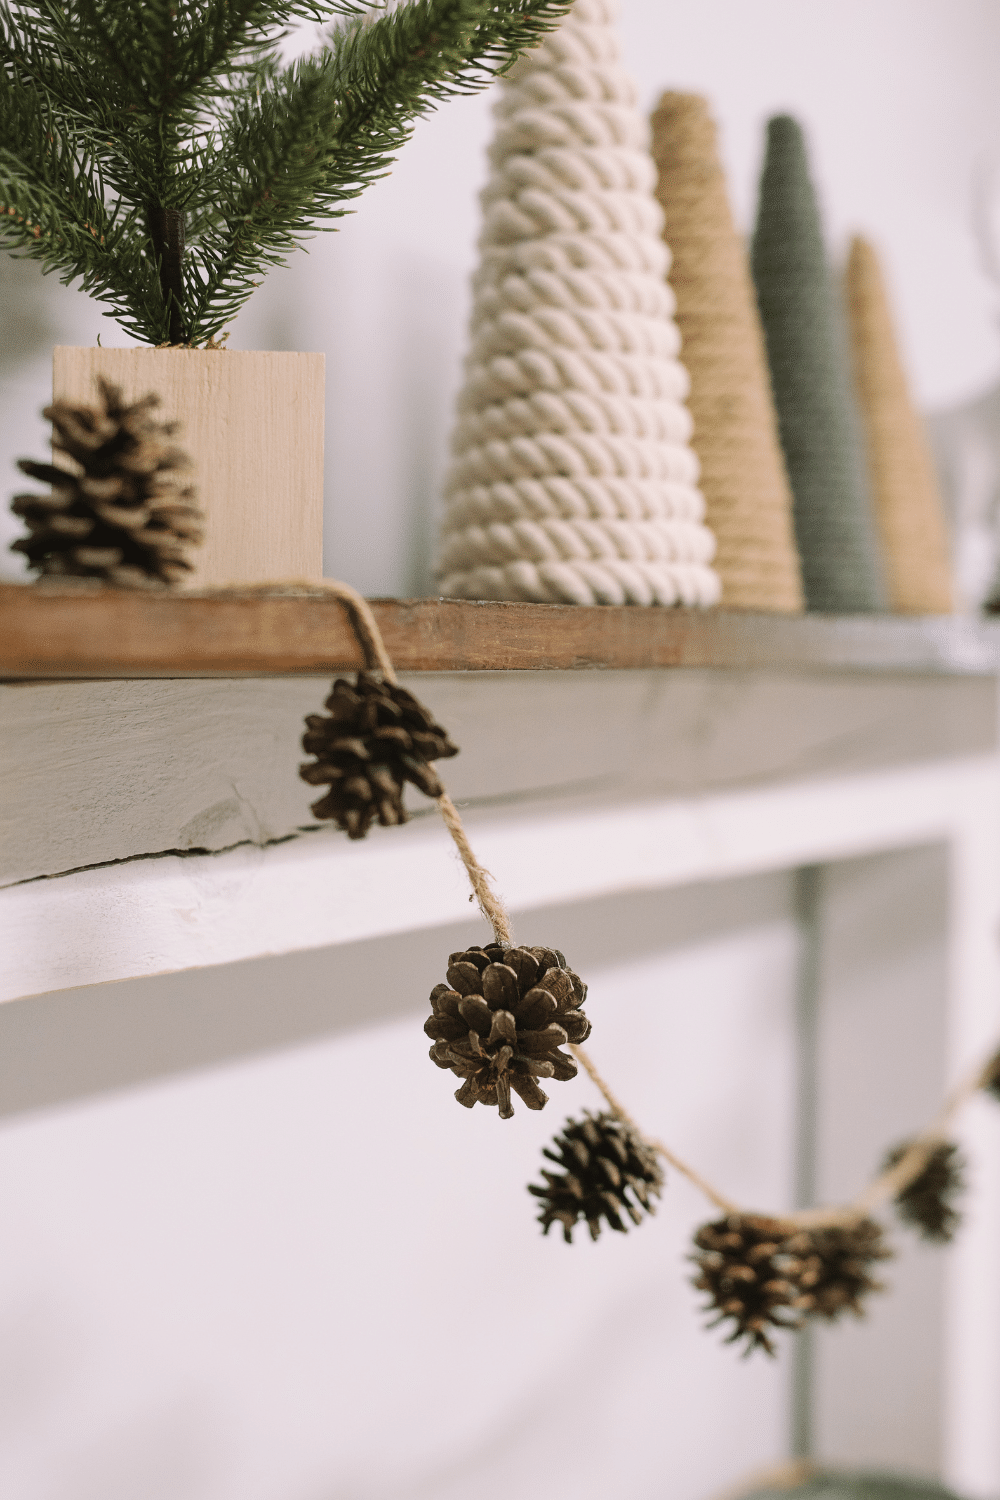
<point x="161" y="154"/>
<point x="573" y="480"/>
<point x="743" y="479"/>
<point x="908" y="505"/>
<point x="506" y="1012"/>
<point x="841" y="567"/>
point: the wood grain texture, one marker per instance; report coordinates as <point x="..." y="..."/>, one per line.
<point x="122" y="920"/>
<point x="60" y="632"/>
<point x="253" y="425"/>
<point x="145" y="767"/>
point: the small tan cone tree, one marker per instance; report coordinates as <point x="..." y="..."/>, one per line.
<point x="743" y="479"/>
<point x="908" y="504"/>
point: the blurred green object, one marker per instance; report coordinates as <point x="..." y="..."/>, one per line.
<point x="811" y="380"/>
<point x="830" y="1485"/>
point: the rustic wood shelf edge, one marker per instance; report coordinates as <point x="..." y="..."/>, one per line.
<point x="51" y="632"/>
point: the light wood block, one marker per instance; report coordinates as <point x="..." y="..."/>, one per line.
<point x="253" y="425"/>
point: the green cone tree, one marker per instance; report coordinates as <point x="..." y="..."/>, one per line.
<point x="810" y="376"/>
<point x="161" y="153"/>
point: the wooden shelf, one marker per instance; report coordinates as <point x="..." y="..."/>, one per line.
<point x="66" y="632"/>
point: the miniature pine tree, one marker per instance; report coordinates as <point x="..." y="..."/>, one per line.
<point x="161" y="154"/>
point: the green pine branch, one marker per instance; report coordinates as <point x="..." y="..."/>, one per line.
<point x="157" y="152"/>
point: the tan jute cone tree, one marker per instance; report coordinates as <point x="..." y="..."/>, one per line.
<point x="908" y="506"/>
<point x="743" y="478"/>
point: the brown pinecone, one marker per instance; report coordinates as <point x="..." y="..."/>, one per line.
<point x="833" y="1267"/>
<point x="603" y="1161"/>
<point x="377" y="737"/>
<point x="926" y="1202"/>
<point x="744" y="1267"/>
<point x="500" y="1020"/>
<point x="124" y="513"/>
<point x="991" y="1078"/>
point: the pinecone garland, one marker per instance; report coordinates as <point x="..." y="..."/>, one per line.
<point x="749" y="1277"/>
<point x="500" y="1021"/>
<point x="377" y="737"/>
<point x="604" y="1160"/>
<point x="124" y="514"/>
<point x="832" y="1267"/>
<point x="926" y="1202"/>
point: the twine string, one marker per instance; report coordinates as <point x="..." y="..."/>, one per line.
<point x="742" y="473"/>
<point x="705" y="1187"/>
<point x="489" y="902"/>
<point x="885" y="1186"/>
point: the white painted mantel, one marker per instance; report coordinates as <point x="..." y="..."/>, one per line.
<point x="172" y="817"/>
<point x="159" y="826"/>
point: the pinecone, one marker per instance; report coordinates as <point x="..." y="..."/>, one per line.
<point x="500" y="1020"/>
<point x="832" y="1267"/>
<point x="124" y="513"/>
<point x="926" y="1202"/>
<point x="603" y="1160"/>
<point x="749" y="1276"/>
<point x="377" y="737"/>
<point x="991" y="1078"/>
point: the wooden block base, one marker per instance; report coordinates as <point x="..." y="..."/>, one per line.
<point x="253" y="425"/>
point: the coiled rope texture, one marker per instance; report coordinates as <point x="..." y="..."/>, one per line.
<point x="572" y="479"/>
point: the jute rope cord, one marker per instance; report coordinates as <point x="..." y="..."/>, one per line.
<point x="377" y="659"/>
<point x="712" y="1194"/>
<point x="908" y="508"/>
<point x="743" y="478"/>
<point x="881" y="1189"/>
<point x="572" y="479"/>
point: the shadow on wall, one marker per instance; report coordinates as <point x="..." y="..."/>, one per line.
<point x="73" y="1044"/>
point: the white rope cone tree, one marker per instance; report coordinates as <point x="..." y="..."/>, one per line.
<point x="572" y="480"/>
